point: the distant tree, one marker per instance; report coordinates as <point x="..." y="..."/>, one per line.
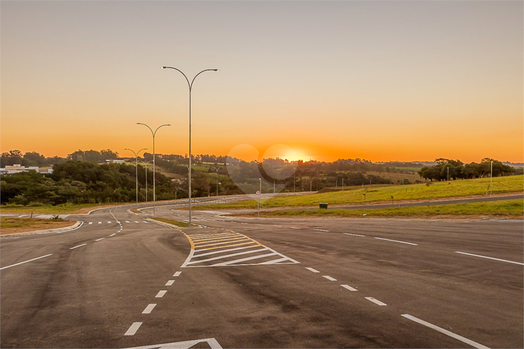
<point x="11" y="158"/>
<point x="34" y="159"/>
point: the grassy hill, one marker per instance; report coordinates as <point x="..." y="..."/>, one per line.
<point x="436" y="190"/>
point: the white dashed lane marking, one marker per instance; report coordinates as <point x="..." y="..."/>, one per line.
<point x="312" y="270"/>
<point x="486" y="257"/>
<point x="161" y="294"/>
<point x="30" y="260"/>
<point x="133" y="328"/>
<point x="446" y="332"/>
<point x="329" y="278"/>
<point x="347" y="287"/>
<point x="400" y="242"/>
<point x="170" y="283"/>
<point x="376" y="301"/>
<point x="354" y="234"/>
<point x="77" y="246"/>
<point x="149" y="309"/>
<point x="118" y="222"/>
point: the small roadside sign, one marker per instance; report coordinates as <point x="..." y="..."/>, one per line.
<point x="258" y="192"/>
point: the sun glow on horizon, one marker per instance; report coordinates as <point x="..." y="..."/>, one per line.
<point x="295" y="156"/>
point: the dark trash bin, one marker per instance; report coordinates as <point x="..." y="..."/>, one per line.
<point x="323" y="205"/>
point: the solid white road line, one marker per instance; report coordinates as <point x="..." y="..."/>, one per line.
<point x="77" y="246"/>
<point x="170" y="283"/>
<point x="30" y="260"/>
<point x="446" y="332"/>
<point x="329" y="278"/>
<point x="312" y="270"/>
<point x="133" y="328"/>
<point x="114" y="233"/>
<point x="347" y="287"/>
<point x="161" y="294"/>
<point x="177" y="273"/>
<point x="495" y="259"/>
<point x="100" y="239"/>
<point x="149" y="309"/>
<point x="400" y="242"/>
<point x="376" y="301"/>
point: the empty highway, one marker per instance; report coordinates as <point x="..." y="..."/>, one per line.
<point x="122" y="281"/>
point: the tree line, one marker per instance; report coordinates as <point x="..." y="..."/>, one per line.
<point x="80" y="182"/>
<point x="446" y="169"/>
<point x="33" y="158"/>
<point x="87" y="178"/>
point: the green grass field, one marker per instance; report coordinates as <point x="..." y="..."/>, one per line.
<point x="506" y="208"/>
<point x="436" y="190"/>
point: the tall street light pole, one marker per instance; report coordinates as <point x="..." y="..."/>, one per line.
<point x="145" y="167"/>
<point x="136" y="169"/>
<point x="190" y="85"/>
<point x="154" y="168"/>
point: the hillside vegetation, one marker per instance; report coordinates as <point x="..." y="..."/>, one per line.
<point x="434" y="190"/>
<point x="506" y="208"/>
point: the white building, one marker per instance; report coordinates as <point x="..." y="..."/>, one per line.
<point x="17" y="168"/>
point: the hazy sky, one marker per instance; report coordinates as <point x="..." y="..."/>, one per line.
<point x="380" y="80"/>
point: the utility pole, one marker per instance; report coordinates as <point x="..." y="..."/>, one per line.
<point x="491" y="184"/>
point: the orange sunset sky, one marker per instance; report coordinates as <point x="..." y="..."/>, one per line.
<point x="379" y="80"/>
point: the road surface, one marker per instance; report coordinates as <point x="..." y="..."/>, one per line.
<point x="120" y="281"/>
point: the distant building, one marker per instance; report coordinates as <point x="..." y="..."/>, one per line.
<point x="17" y="168"/>
<point x="111" y="161"/>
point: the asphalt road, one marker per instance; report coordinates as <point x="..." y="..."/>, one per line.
<point x="264" y="283"/>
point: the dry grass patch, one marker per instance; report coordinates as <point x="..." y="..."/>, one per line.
<point x="13" y="225"/>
